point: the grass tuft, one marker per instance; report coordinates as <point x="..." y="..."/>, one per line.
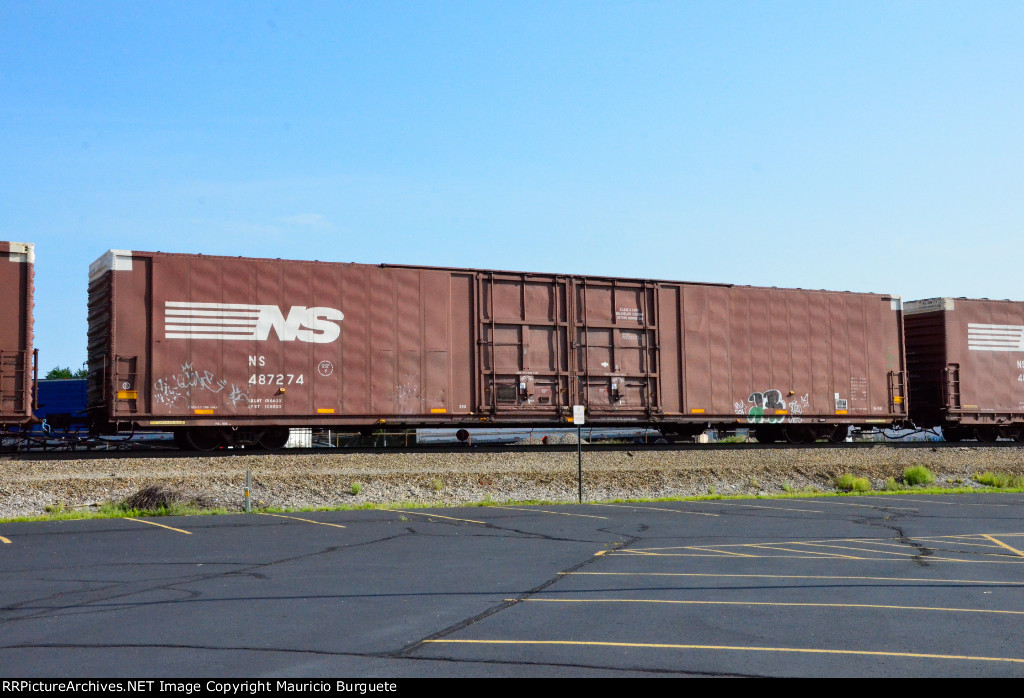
<point x="918" y="475"/>
<point x="1000" y="480"/>
<point x="356" y="488"/>
<point x="849" y="483"/>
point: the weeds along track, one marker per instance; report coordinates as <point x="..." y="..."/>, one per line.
<point x="30" y="483"/>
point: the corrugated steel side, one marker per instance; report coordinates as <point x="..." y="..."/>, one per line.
<point x="17" y="269"/>
<point x="180" y="340"/>
<point x="766" y="356"/>
<point x="969" y="360"/>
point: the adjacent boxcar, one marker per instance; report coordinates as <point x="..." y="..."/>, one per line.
<point x="224" y="349"/>
<point x="966" y="367"/>
<point x="17" y="261"/>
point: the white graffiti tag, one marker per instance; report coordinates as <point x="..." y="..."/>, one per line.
<point x="168" y="391"/>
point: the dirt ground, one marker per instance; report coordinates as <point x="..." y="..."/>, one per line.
<point x="29" y="487"/>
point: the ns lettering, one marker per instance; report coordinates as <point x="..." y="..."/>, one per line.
<point x="305" y="324"/>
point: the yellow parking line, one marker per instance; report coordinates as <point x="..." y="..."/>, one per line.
<point x="869" y="506"/>
<point x="433" y="516"/>
<point x="824" y="556"/>
<point x="778" y="542"/>
<point x="933" y="558"/>
<point x="986" y="546"/>
<point x="722" y="552"/>
<point x="544" y="511"/>
<point x="296" y="518"/>
<point x="797" y="576"/>
<point x="932" y="501"/>
<point x="780" y="603"/>
<point x="865" y="550"/>
<point x="754" y="506"/>
<point x="160" y="525"/>
<point x="646" y="645"/>
<point x="725" y="556"/>
<point x="1002" y="544"/>
<point x="673" y="511"/>
<point x="4" y="539"/>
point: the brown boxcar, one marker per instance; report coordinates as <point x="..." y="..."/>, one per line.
<point x="965" y="360"/>
<point x="224" y="348"/>
<point x="17" y="262"/>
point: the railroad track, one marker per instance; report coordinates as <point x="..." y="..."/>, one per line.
<point x="172" y="453"/>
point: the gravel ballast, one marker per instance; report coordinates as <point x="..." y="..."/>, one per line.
<point x="28" y="487"/>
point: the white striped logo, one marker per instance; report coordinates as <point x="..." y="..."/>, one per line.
<point x="995" y="337"/>
<point x="234" y="321"/>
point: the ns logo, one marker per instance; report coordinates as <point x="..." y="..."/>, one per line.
<point x="234" y="321"/>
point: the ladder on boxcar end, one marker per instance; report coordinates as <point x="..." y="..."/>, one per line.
<point x="951" y="386"/>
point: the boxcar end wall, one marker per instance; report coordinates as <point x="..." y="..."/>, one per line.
<point x="17" y="265"/>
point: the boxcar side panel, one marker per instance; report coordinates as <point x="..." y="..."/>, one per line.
<point x="212" y="340"/>
<point x="779" y="356"/>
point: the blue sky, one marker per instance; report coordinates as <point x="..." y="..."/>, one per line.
<point x="843" y="145"/>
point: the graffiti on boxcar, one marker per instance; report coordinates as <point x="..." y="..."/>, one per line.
<point x="169" y="390"/>
<point x="768" y="407"/>
<point x="761" y="402"/>
<point x="797" y="406"/>
<point x="237" y="396"/>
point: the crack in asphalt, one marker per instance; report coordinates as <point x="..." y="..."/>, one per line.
<point x="93" y="605"/>
<point x="372" y="655"/>
<point x="923" y="551"/>
<point x="412" y="647"/>
<point x="99" y="603"/>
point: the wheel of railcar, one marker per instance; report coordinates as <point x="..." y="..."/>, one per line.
<point x="205" y="439"/>
<point x="839" y="434"/>
<point x="181" y="440"/>
<point x="798" y="434"/>
<point x="1019" y="436"/>
<point x="988" y="434"/>
<point x="952" y="434"/>
<point x="767" y="435"/>
<point x="274" y="438"/>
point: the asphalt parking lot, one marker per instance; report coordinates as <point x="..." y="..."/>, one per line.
<point x="839" y="586"/>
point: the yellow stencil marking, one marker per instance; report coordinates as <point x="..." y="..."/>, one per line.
<point x="646" y="645"/>
<point x="160" y="525"/>
<point x="672" y="511"/>
<point x="296" y="518"/>
<point x="4" y="540"/>
<point x="544" y="511"/>
<point x="434" y="516"/>
<point x="1002" y="544"/>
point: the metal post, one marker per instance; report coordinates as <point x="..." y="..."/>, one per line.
<point x="579" y="417"/>
<point x="248" y="490"/>
<point x="579" y="461"/>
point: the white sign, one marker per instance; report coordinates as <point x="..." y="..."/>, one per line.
<point x="578" y="415"/>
